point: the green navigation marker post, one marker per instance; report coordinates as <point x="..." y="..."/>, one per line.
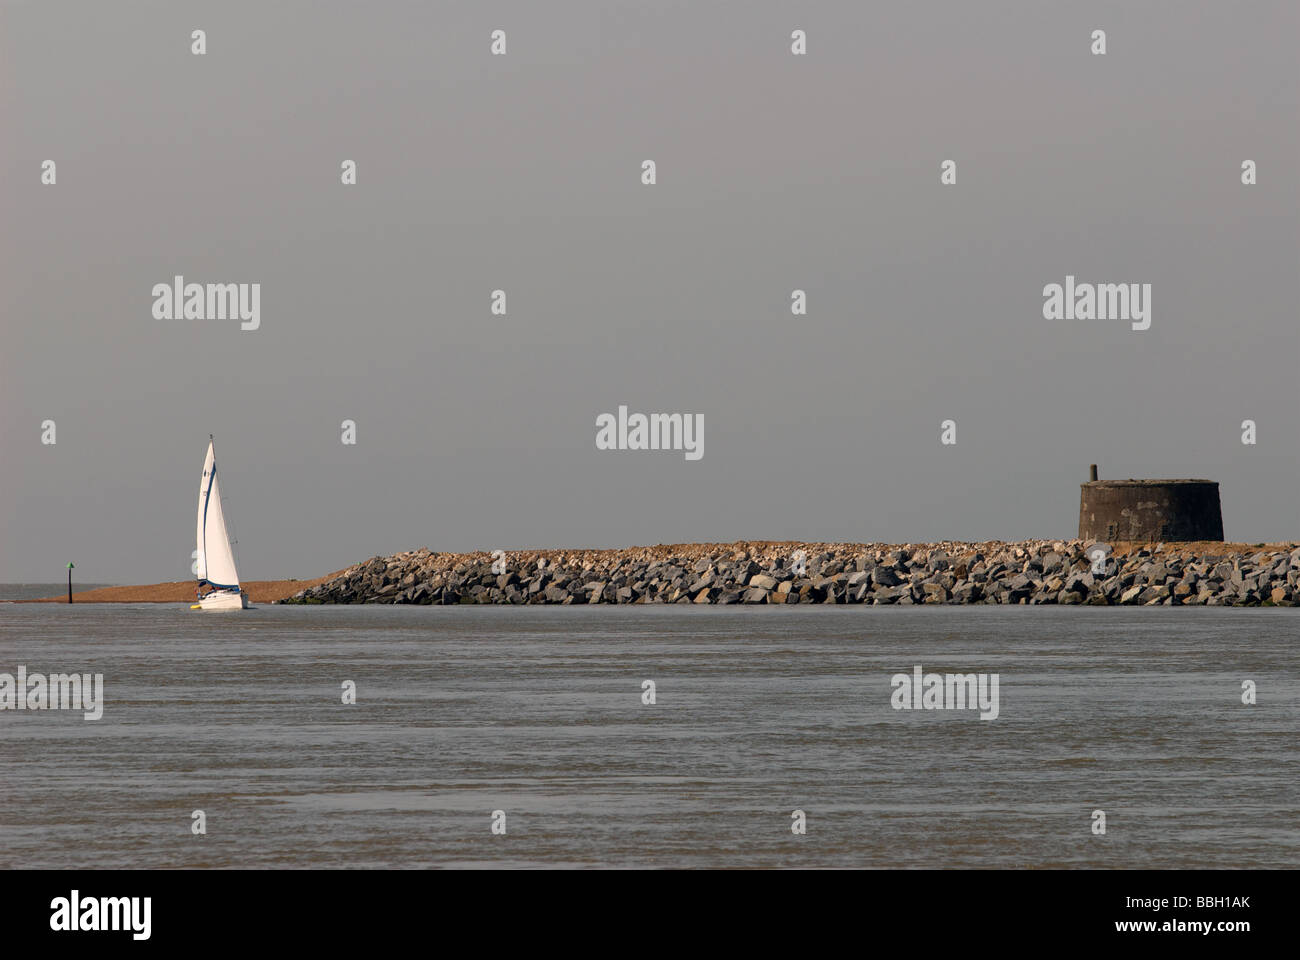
<point x="69" y="583"/>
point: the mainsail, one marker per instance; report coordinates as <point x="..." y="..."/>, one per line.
<point x="216" y="560"/>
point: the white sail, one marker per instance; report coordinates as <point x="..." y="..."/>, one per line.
<point x="216" y="560"/>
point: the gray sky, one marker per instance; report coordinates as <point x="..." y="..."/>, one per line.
<point x="522" y="173"/>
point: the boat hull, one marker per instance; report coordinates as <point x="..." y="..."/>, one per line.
<point x="224" y="600"/>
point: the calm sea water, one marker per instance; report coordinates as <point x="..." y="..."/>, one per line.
<point x="538" y="712"/>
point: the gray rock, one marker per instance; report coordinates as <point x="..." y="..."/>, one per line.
<point x="701" y="582"/>
<point x="885" y="577"/>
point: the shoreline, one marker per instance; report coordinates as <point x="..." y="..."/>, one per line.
<point x="1210" y="573"/>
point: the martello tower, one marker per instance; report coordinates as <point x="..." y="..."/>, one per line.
<point x="1150" y="511"/>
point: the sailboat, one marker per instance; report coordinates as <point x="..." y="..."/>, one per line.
<point x="216" y="566"/>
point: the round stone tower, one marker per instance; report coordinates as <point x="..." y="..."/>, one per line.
<point x="1151" y="511"/>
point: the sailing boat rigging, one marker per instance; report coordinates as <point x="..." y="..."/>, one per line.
<point x="216" y="559"/>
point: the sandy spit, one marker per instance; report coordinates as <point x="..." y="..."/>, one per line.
<point x="259" y="591"/>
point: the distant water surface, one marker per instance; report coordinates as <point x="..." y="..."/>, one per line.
<point x="537" y="712"/>
<point x="36" y="591"/>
